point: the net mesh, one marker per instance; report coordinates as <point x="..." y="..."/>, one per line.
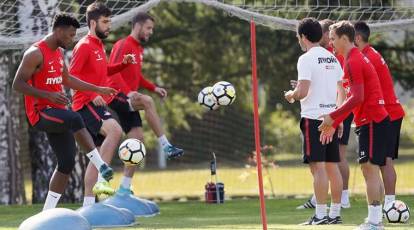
<point x="24" y="21"/>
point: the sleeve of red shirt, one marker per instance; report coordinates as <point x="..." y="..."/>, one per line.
<point x="116" y="68"/>
<point x="356" y="82"/>
<point x="80" y="57"/>
<point x="147" y="84"/>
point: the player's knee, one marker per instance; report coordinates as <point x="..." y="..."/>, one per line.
<point x="66" y="165"/>
<point x="148" y="101"/>
<point x="112" y="127"/>
<point x="76" y="122"/>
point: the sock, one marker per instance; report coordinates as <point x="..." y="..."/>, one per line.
<point x="345" y="197"/>
<point x="388" y="199"/>
<point x="374" y="214"/>
<point x="95" y="158"/>
<point x="126" y="182"/>
<point x="320" y="211"/>
<point x="52" y="199"/>
<point x="100" y="178"/>
<point x="313" y="199"/>
<point x="335" y="210"/>
<point x="88" y="200"/>
<point x="163" y="141"/>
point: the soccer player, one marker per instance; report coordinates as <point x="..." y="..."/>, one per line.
<point x="343" y="140"/>
<point x="89" y="64"/>
<point x="392" y="105"/>
<point x="40" y="77"/>
<point x="319" y="79"/>
<point x="365" y="100"/>
<point x="128" y="102"/>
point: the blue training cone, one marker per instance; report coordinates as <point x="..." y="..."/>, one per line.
<point x="139" y="207"/>
<point x="102" y="215"/>
<point x="56" y="218"/>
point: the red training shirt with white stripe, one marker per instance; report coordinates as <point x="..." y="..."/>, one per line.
<point x="49" y="78"/>
<point x="131" y="78"/>
<point x="392" y="104"/>
<point x="90" y="65"/>
<point x="360" y="74"/>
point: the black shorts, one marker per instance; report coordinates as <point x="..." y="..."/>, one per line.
<point x="373" y="142"/>
<point x="59" y="125"/>
<point x="128" y="119"/>
<point x="394" y="138"/>
<point x="93" y="116"/>
<point x="313" y="150"/>
<point x="347" y="129"/>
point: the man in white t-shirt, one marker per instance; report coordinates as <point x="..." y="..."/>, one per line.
<point x="319" y="78"/>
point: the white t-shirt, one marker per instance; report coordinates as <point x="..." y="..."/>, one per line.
<point x="321" y="67"/>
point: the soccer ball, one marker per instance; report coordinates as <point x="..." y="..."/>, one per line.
<point x="224" y="93"/>
<point x="131" y="151"/>
<point x="397" y="212"/>
<point x="206" y="99"/>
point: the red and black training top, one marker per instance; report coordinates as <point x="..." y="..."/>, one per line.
<point x="49" y="78"/>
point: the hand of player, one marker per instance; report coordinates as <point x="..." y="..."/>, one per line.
<point x="129" y="59"/>
<point x="327" y="135"/>
<point x="106" y="91"/>
<point x="161" y="91"/>
<point x="58" y="98"/>
<point x="340" y="130"/>
<point x="326" y="123"/>
<point x="289" y="96"/>
<point x="99" y="101"/>
<point x="293" y="83"/>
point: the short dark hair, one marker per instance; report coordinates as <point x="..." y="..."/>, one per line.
<point x="63" y="20"/>
<point x="362" y="29"/>
<point x="311" y="29"/>
<point x="344" y="28"/>
<point x="96" y="10"/>
<point x="141" y="17"/>
<point x="325" y="24"/>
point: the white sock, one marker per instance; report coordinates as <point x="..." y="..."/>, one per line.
<point x="52" y="199"/>
<point x="88" y="200"/>
<point x="313" y="199"/>
<point x="95" y="158"/>
<point x="163" y="141"/>
<point x="320" y="211"/>
<point x="126" y="182"/>
<point x="374" y="214"/>
<point x="345" y="197"/>
<point x="335" y="210"/>
<point x="388" y="199"/>
<point x="100" y="178"/>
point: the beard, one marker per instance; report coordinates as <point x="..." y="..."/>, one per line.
<point x="100" y="34"/>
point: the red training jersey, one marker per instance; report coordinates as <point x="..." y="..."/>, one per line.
<point x="392" y="104"/>
<point x="90" y="65"/>
<point x="131" y="78"/>
<point x="49" y="78"/>
<point x="359" y="71"/>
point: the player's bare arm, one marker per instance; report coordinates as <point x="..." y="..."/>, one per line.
<point x="31" y="63"/>
<point x="77" y="84"/>
<point x="300" y="92"/>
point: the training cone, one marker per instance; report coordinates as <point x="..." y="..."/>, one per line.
<point x="102" y="215"/>
<point x="57" y="218"/>
<point x="139" y="207"/>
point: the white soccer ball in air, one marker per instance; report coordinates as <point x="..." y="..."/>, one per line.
<point x="132" y="151"/>
<point x="397" y="212"/>
<point x="206" y="98"/>
<point x="224" y="93"/>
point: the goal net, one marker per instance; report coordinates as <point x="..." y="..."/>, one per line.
<point x="21" y="25"/>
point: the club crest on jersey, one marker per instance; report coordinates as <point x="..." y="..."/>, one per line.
<point x="98" y="55"/>
<point x="51" y="68"/>
<point x="54" y="80"/>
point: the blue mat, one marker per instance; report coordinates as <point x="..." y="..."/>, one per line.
<point x="138" y="206"/>
<point x="102" y="215"/>
<point x="57" y="218"/>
